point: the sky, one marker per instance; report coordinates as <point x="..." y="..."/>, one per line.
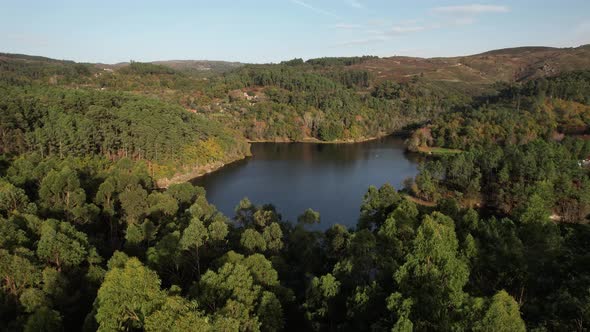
<point x="263" y="31"/>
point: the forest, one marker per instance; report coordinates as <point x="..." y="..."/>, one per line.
<point x="493" y="237"/>
<point x="60" y="121"/>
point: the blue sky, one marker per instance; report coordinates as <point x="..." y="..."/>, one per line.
<point x="274" y="30"/>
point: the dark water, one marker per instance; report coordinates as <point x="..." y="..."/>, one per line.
<point x="329" y="178"/>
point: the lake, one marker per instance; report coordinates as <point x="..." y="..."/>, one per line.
<point x="329" y="178"/>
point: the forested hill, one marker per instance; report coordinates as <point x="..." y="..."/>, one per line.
<point x="491" y="235"/>
<point x="200" y="65"/>
<point x="91" y="244"/>
<point x="324" y="99"/>
<point x="201" y="68"/>
<point x="328" y="99"/>
<point x="507" y="65"/>
<point x="359" y="97"/>
<point x="57" y="108"/>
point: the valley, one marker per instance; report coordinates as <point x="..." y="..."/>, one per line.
<point x="331" y="194"/>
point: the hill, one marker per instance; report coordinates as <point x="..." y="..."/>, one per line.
<point x="200" y="65"/>
<point x="24" y="57"/>
<point x="491" y="235"/>
<point x="510" y="65"/>
<point x="328" y="99"/>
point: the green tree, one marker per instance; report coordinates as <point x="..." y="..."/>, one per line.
<point x="32" y="299"/>
<point x="44" y="320"/>
<point x="535" y="210"/>
<point x="402" y="307"/>
<point x="318" y="298"/>
<point x="185" y="193"/>
<point x="194" y="237"/>
<point x="177" y="314"/>
<point x="309" y="217"/>
<point x="13" y="198"/>
<point x="17" y="274"/>
<point x="503" y="315"/>
<point x="134" y="203"/>
<point x="161" y="204"/>
<point x="127" y="297"/>
<point x="377" y="204"/>
<point x="230" y="294"/>
<point x="273" y="237"/>
<point x="105" y="196"/>
<point x="61" y="191"/>
<point x="62" y="245"/>
<point x="434" y="258"/>
<point x="253" y="241"/>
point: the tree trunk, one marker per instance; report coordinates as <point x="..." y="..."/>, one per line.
<point x="198" y="263"/>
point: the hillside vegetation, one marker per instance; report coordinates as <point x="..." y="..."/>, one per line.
<point x="72" y="119"/>
<point x="328" y="99"/>
<point x="491" y="235"/>
<point x="508" y="65"/>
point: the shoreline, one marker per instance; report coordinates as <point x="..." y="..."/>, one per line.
<point x="202" y="170"/>
<point x="318" y="141"/>
<point x="197" y="172"/>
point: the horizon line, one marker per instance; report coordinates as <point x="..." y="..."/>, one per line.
<point x="305" y="59"/>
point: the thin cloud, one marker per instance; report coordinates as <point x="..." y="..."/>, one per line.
<point x="379" y="22"/>
<point x="355" y="4"/>
<point x="346" y="26"/>
<point x="400" y="30"/>
<point x="363" y="41"/>
<point x="375" y="32"/>
<point x="408" y="22"/>
<point x="466" y="14"/>
<point x="472" y="9"/>
<point x="462" y="21"/>
<point x="381" y="30"/>
<point x="383" y="35"/>
<point x="314" y="9"/>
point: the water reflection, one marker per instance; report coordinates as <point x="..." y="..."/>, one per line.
<point x="329" y="178"/>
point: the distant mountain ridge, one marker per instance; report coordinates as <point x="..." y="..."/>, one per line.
<point x="181" y="65"/>
<point x="508" y="64"/>
<point x="25" y="57"/>
<point x="212" y="66"/>
<point x="200" y="65"/>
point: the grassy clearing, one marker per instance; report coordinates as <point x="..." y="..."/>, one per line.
<point x="419" y="201"/>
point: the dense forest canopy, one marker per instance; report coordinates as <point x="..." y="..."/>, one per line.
<point x="55" y="121"/>
<point x="491" y="235"/>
